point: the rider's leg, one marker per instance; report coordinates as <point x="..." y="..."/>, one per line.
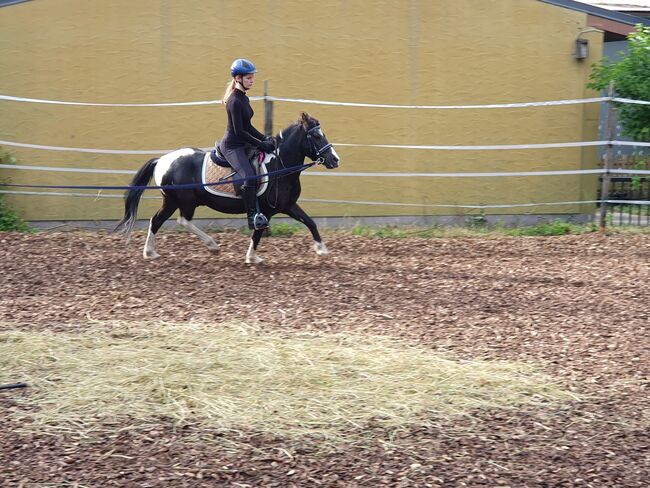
<point x="256" y="219"/>
<point x="240" y="163"/>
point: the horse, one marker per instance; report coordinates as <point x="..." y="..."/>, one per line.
<point x="304" y="138"/>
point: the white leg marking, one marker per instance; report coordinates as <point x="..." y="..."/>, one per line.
<point x="209" y="241"/>
<point x="321" y="248"/>
<point x="251" y="255"/>
<point x="149" y="251"/>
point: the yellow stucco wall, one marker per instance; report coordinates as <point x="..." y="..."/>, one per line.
<point x="426" y="52"/>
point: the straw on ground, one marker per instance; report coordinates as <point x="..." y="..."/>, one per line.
<point x="234" y="377"/>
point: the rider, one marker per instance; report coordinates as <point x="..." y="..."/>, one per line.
<point x="239" y="133"/>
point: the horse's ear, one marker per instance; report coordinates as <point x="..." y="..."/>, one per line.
<point x="305" y="118"/>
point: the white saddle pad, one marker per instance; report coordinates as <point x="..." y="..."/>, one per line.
<point x="212" y="173"/>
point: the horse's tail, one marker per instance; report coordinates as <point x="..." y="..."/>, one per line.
<point x="132" y="197"/>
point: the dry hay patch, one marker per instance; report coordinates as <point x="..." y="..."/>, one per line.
<point x="231" y="378"/>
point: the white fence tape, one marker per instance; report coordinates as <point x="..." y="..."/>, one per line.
<point x="397" y="204"/>
<point x="392" y="146"/>
<point x="327" y="102"/>
<point x="317" y="200"/>
<point x="349" y="202"/>
<point x="512" y="205"/>
<point x="361" y="174"/>
<point x="630" y="171"/>
<point x="631" y="143"/>
<point x="68" y="194"/>
<point x="443" y="107"/>
<point x="457" y="175"/>
<point x="61" y="194"/>
<point x="85" y="150"/>
<point x="345" y="202"/>
<point x="68" y="170"/>
<point x="486" y="148"/>
<point x="93" y="104"/>
<point x="629" y="100"/>
<point x="341" y="174"/>
<point x="628" y="202"/>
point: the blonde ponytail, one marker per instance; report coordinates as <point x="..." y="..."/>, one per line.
<point x="230" y="87"/>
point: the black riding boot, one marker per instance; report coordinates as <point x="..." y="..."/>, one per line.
<point x="256" y="219"/>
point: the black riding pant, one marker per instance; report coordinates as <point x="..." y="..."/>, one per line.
<point x="236" y="156"/>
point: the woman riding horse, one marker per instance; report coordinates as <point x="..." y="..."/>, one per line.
<point x="239" y="133"/>
<point x="180" y="173"/>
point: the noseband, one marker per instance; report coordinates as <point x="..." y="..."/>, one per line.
<point x="318" y="151"/>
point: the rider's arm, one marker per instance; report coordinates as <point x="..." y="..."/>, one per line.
<point x="256" y="133"/>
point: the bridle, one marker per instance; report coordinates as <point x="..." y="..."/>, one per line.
<point x="317" y="151"/>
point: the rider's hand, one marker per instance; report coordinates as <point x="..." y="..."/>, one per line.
<point x="267" y="145"/>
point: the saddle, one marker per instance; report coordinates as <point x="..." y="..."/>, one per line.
<point x="216" y="169"/>
<point x="252" y="153"/>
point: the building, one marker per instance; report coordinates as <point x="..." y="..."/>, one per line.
<point x="431" y="52"/>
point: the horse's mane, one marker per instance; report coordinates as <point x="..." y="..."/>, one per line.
<point x="305" y="120"/>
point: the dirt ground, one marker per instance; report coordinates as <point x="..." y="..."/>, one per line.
<point x="579" y="306"/>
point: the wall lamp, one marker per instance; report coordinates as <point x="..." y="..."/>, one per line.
<point x="581" y="46"/>
<point x="581" y="49"/>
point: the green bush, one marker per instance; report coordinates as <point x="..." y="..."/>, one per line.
<point x="392" y="232"/>
<point x="9" y="219"/>
<point x="631" y="80"/>
<point x="282" y="229"/>
<point x="555" y="228"/>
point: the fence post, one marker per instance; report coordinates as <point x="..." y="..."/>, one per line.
<point x="268" y="111"/>
<point x="610" y="133"/>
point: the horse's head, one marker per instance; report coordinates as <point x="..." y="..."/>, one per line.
<point x="317" y="147"/>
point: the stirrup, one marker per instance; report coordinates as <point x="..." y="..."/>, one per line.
<point x="259" y="221"/>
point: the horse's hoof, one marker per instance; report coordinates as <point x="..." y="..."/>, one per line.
<point x="321" y="248"/>
<point x="255" y="259"/>
<point x="151" y="255"/>
<point x="213" y="247"/>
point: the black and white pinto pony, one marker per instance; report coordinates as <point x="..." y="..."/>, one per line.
<point x="302" y="139"/>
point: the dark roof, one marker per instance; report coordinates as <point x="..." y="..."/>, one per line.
<point x="6" y="3"/>
<point x="599" y="12"/>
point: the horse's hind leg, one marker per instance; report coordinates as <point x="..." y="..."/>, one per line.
<point x="295" y="212"/>
<point x="186" y="222"/>
<point x="166" y="211"/>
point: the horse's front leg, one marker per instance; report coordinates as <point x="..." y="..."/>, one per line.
<point x="251" y="255"/>
<point x="295" y="212"/>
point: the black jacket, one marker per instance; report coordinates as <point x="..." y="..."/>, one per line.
<point x="240" y="130"/>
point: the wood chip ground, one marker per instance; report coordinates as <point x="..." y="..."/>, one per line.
<point x="579" y="306"/>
